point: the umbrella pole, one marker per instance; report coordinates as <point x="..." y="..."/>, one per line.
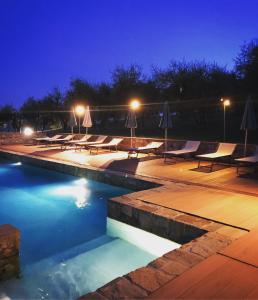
<point x="86" y="132"/>
<point x="131" y="137"/>
<point x="166" y="139"/>
<point x="246" y="133"/>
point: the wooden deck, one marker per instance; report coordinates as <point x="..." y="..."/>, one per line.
<point x="230" y="274"/>
<point x="217" y="277"/>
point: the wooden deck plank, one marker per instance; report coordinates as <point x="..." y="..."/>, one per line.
<point x="244" y="249"/>
<point x="217" y="277"/>
<point x="226" y="207"/>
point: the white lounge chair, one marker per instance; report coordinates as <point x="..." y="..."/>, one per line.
<point x="190" y="147"/>
<point x="46" y="138"/>
<point x="110" y="145"/>
<point x="60" y="140"/>
<point x="149" y="148"/>
<point x="99" y="140"/>
<point x="224" y="150"/>
<point x="248" y="160"/>
<point x="85" y="138"/>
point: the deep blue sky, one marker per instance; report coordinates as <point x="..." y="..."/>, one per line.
<point x="43" y="43"/>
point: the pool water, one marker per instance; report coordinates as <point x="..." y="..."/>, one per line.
<point x="68" y="245"/>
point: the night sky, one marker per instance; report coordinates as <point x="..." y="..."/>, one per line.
<point x="45" y="43"/>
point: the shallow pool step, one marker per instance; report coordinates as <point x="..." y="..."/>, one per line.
<point x="68" y="279"/>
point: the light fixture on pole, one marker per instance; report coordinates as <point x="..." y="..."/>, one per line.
<point x="80" y="111"/>
<point x="225" y="103"/>
<point x="131" y="121"/>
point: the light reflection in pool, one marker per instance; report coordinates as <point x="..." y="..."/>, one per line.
<point x="77" y="190"/>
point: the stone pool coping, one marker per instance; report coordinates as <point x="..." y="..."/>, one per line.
<point x="200" y="237"/>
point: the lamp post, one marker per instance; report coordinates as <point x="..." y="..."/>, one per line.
<point x="80" y="110"/>
<point x="134" y="105"/>
<point x="225" y="102"/>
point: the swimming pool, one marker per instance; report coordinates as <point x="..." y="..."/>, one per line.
<point x="68" y="245"/>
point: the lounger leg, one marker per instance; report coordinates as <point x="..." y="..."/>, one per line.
<point x="199" y="164"/>
<point x="212" y="164"/>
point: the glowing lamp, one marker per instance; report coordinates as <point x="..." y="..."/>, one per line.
<point x="135" y="104"/>
<point x="79" y="110"/>
<point x="226" y="102"/>
<point x="28" y="131"/>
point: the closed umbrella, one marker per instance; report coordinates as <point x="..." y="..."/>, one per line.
<point x="165" y="121"/>
<point x="72" y="120"/>
<point x="249" y="119"/>
<point x="87" y="123"/>
<point x="131" y="122"/>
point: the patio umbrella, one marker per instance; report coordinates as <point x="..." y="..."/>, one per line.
<point x="87" y="123"/>
<point x="165" y="121"/>
<point x="249" y="119"/>
<point x="131" y="122"/>
<point x="72" y="121"/>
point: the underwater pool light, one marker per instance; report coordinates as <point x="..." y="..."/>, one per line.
<point x="81" y="181"/>
<point x="16" y="164"/>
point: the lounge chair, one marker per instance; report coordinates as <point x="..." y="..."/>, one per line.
<point x="190" y="147"/>
<point x="85" y="138"/>
<point x="248" y="161"/>
<point x="110" y="145"/>
<point x="99" y="140"/>
<point x="149" y="148"/>
<point x="46" y="138"/>
<point x="225" y="150"/>
<point x="60" y="140"/>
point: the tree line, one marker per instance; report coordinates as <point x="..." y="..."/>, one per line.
<point x="192" y="88"/>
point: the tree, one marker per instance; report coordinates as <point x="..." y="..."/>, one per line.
<point x="246" y="67"/>
<point x="8" y="116"/>
<point x="127" y="83"/>
<point x="51" y="110"/>
<point x="80" y="91"/>
<point x="193" y="86"/>
<point x="30" y="112"/>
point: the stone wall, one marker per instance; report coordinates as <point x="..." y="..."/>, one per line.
<point x="11" y="138"/>
<point x="9" y="252"/>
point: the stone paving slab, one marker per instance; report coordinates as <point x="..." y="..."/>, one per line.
<point x="149" y="279"/>
<point x="122" y="288"/>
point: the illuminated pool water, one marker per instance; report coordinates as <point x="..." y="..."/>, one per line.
<point x="68" y="245"/>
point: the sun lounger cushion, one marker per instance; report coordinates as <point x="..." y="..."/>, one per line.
<point x="224" y="149"/>
<point x="113" y="142"/>
<point x="150" y="146"/>
<point x="190" y="147"/>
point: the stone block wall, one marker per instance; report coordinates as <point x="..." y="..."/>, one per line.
<point x="11" y="138"/>
<point x="9" y="252"/>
